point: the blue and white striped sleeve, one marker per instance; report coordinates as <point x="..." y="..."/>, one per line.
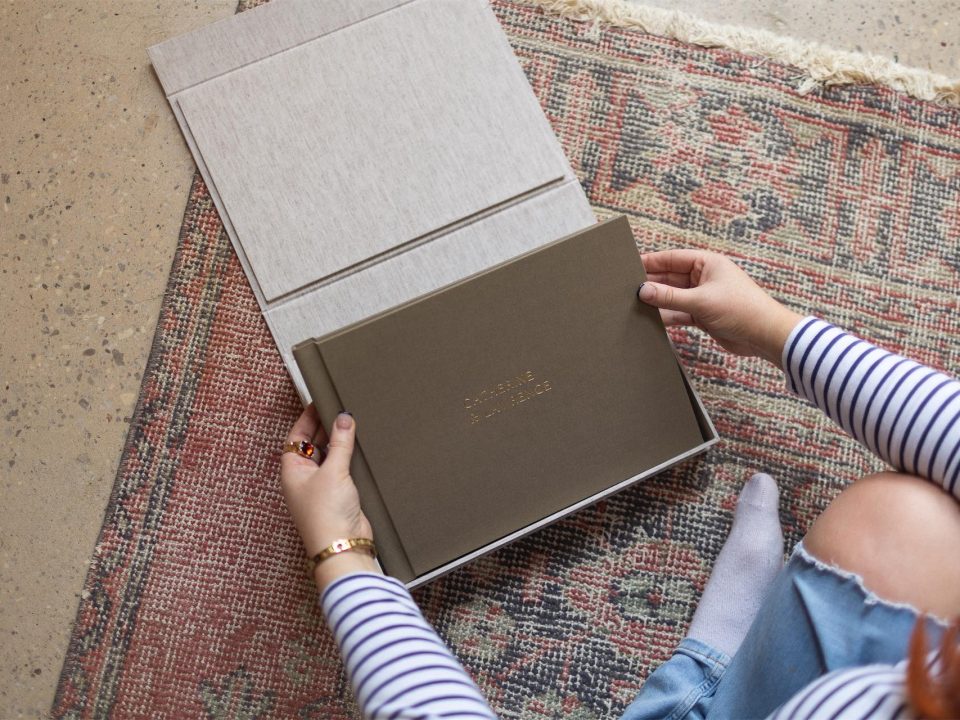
<point x="905" y="412"/>
<point x="399" y="668"/>
<point x="870" y="692"/>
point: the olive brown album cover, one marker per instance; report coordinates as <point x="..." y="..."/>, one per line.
<point x="505" y="398"/>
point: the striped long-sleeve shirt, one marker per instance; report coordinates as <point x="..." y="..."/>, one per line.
<point x="905" y="412"/>
<point x="398" y="666"/>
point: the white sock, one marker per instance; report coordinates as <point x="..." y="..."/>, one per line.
<point x="748" y="562"/>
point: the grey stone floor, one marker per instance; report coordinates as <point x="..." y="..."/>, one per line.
<point x="93" y="180"/>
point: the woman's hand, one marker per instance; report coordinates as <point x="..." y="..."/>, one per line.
<point x="695" y="287"/>
<point x="323" y="500"/>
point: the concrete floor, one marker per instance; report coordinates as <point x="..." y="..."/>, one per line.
<point x="93" y="179"/>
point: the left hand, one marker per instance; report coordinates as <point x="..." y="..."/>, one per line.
<point x="322" y="499"/>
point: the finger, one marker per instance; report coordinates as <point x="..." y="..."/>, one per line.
<point x="320" y="437"/>
<point x="680" y="280"/>
<point x="680" y="261"/>
<point x="666" y="297"/>
<point x="674" y="318"/>
<point x="303" y="429"/>
<point x="340" y="447"/>
<point x="305" y="426"/>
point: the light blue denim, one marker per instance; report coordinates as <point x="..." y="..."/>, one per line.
<point x="815" y="619"/>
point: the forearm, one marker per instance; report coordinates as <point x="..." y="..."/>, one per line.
<point x="397" y="665"/>
<point x="346" y="563"/>
<point x="905" y="412"/>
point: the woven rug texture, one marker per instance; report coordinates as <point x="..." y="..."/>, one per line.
<point x="844" y="203"/>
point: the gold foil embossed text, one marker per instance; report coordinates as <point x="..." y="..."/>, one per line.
<point x="495" y="399"/>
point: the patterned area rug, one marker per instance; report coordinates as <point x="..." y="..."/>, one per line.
<point x="845" y="203"/>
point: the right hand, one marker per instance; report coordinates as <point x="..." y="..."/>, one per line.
<point x="708" y="290"/>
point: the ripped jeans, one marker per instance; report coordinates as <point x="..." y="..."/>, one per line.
<point x="814" y="620"/>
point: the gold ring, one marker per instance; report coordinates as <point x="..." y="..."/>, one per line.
<point x="304" y="449"/>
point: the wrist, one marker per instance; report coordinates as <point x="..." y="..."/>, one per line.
<point x="779" y="323"/>
<point x="345" y="563"/>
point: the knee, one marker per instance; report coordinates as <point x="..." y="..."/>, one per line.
<point x="900" y="534"/>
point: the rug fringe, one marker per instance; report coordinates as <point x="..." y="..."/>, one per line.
<point x="822" y="66"/>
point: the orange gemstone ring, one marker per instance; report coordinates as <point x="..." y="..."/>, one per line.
<point x="305" y="449"/>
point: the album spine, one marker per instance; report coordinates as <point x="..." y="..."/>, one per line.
<point x="393" y="558"/>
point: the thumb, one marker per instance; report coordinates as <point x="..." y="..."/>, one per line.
<point x="668" y="297"/>
<point x="340" y="447"/>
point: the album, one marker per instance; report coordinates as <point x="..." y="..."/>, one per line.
<point x="504" y="401"/>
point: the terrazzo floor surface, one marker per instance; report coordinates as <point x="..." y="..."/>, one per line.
<point x="93" y="180"/>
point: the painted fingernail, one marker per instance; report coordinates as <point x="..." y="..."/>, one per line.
<point x="345" y="420"/>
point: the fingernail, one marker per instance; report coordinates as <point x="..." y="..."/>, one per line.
<point x="344" y="420"/>
<point x="645" y="292"/>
